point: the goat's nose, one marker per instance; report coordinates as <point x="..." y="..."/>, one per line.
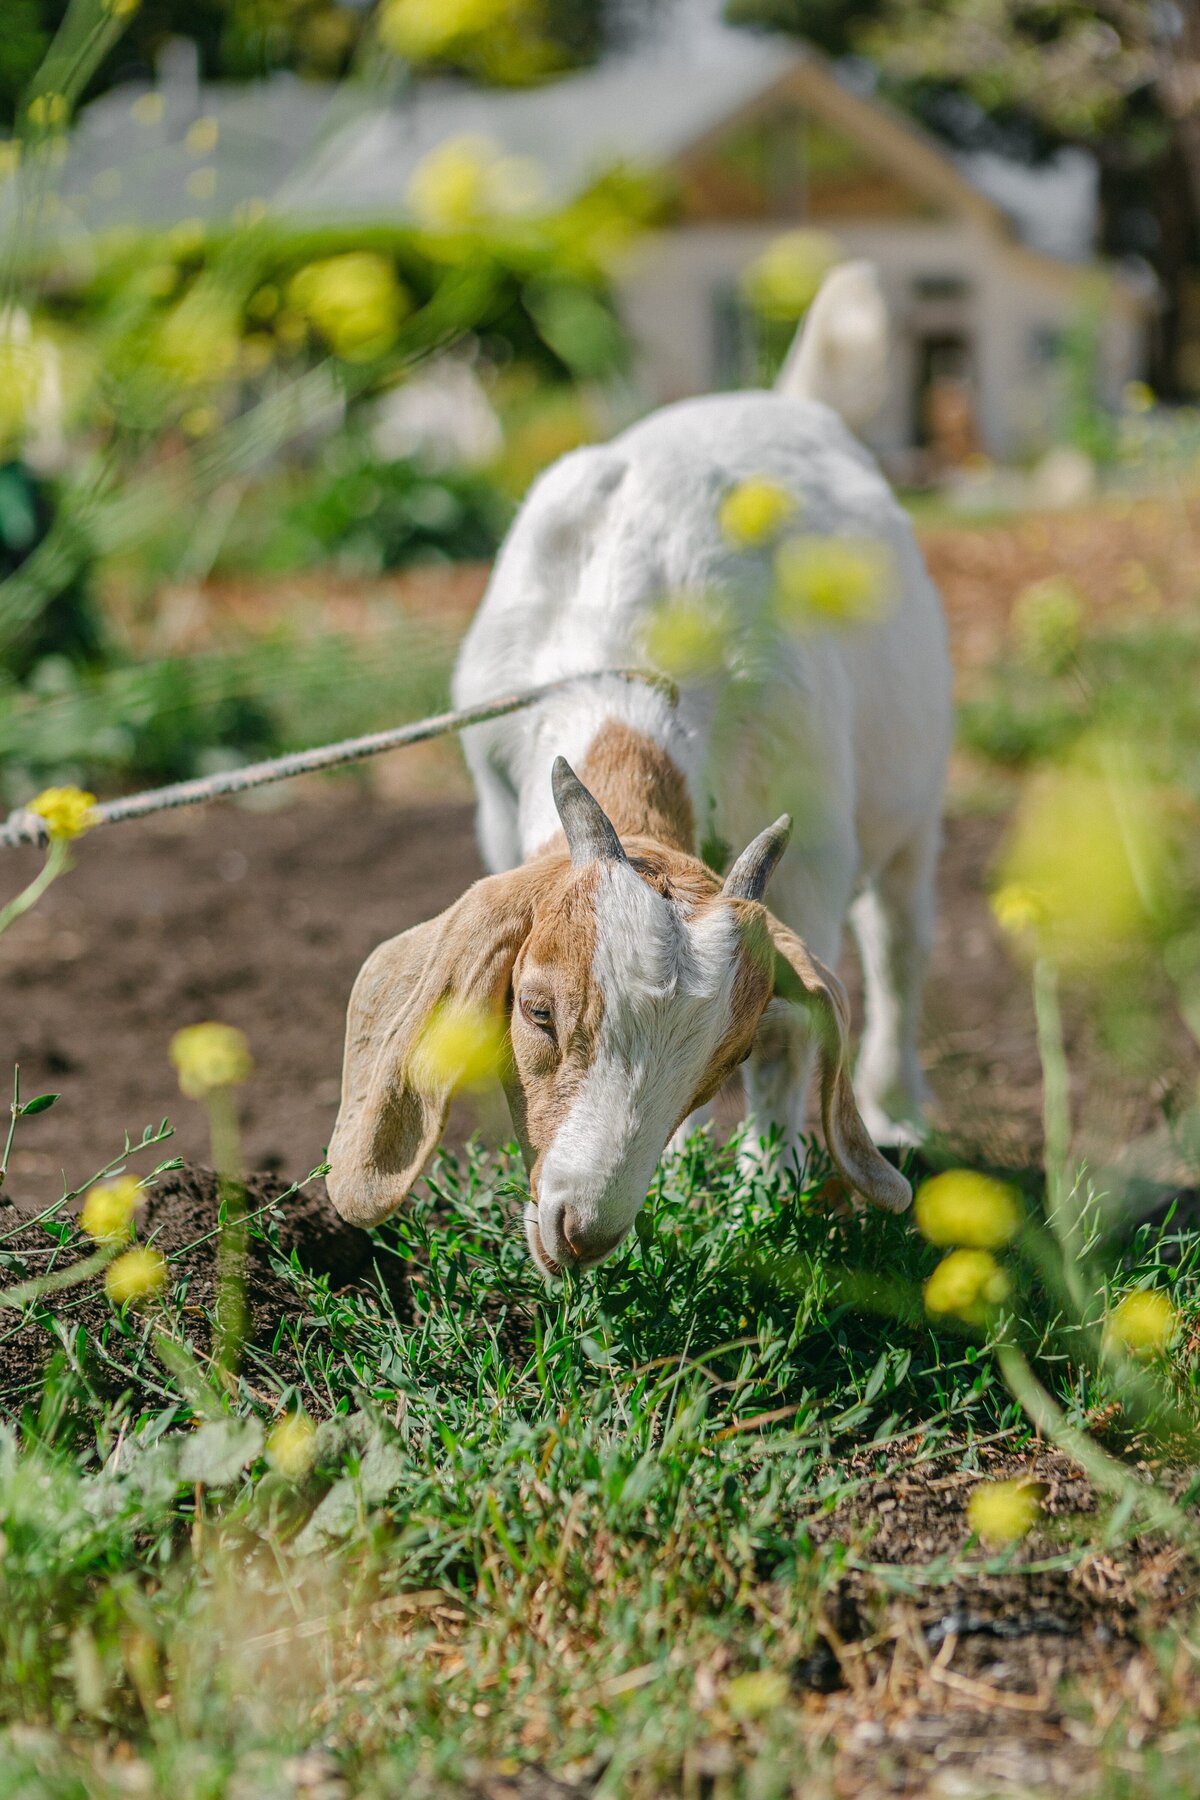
<point x="588" y="1241"/>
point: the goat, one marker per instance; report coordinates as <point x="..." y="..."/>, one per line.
<point x="631" y="978"/>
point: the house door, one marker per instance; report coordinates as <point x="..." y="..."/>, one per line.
<point x="944" y="402"/>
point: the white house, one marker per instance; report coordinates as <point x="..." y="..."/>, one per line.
<point x="755" y="135"/>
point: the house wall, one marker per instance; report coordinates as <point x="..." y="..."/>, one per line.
<point x="942" y="280"/>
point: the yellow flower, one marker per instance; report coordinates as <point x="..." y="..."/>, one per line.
<point x="423" y="30"/>
<point x="966" y="1284"/>
<point x="210" y="1056"/>
<point x="756" y="1694"/>
<point x="199" y="421"/>
<point x="68" y="811"/>
<point x="686" y="635"/>
<point x="48" y="109"/>
<point x="1018" y="908"/>
<point x="783" y="281"/>
<point x="355" y="302"/>
<point x="292" y="1446"/>
<point x="1094" y="847"/>
<point x="1138" y="396"/>
<point x="832" y="581"/>
<point x="961" y="1207"/>
<point x="1144" y="1322"/>
<point x="754" y="511"/>
<point x="197" y="342"/>
<point x="201" y="184"/>
<point x="460" y="1046"/>
<point x="465" y="182"/>
<point x="503" y="40"/>
<point x="1047" y="619"/>
<point x="108" y="1209"/>
<point x="138" y="1275"/>
<point x="188" y="237"/>
<point x="202" y="135"/>
<point x="148" y="109"/>
<point x="1003" y="1511"/>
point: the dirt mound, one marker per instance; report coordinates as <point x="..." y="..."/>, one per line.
<point x="180" y="1217"/>
<point x="960" y="1679"/>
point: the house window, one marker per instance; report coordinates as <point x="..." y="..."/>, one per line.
<point x="1046" y="344"/>
<point x="941" y="287"/>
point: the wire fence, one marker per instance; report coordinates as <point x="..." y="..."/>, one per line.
<point x="25" y="827"/>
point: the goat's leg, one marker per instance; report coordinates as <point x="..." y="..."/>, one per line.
<point x="777" y="1077"/>
<point x="497" y="824"/>
<point x="893" y="921"/>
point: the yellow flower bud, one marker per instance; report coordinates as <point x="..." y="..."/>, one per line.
<point x="966" y="1285"/>
<point x="1095" y="845"/>
<point x="68" y="811"/>
<point x="753" y="512"/>
<point x="422" y="30"/>
<point x="354" y="301"/>
<point x="138" y="1275"/>
<point x="1144" y="1322"/>
<point x="108" y="1208"/>
<point x="1003" y="1511"/>
<point x="460" y="1046"/>
<point x="210" y="1056"/>
<point x="962" y="1207"/>
<point x="465" y="182"/>
<point x="148" y="109"/>
<point x="686" y="635"/>
<point x="1018" y="908"/>
<point x="48" y="109"/>
<point x="1048" y="622"/>
<point x="292" y="1445"/>
<point x="832" y="581"/>
<point x="202" y="135"/>
<point x="754" y="1695"/>
<point x="783" y="281"/>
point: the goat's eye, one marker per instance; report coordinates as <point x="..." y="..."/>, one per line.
<point x="538" y="1013"/>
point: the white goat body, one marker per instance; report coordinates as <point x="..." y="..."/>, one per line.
<point x="848" y="726"/>
<point x="631" y="980"/>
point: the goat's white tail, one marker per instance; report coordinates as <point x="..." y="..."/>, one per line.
<point x="840" y="353"/>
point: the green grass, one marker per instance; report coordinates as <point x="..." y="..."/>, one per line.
<point x="549" y="1526"/>
<point x="1140" y="685"/>
<point x="167" y="718"/>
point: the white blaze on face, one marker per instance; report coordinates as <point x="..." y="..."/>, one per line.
<point x="667" y="984"/>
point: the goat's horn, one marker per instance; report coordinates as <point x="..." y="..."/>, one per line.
<point x="748" y="878"/>
<point x="590" y="835"/>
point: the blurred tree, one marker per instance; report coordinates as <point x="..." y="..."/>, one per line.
<point x="240" y="40"/>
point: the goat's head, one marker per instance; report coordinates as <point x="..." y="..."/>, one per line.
<point x="632" y="981"/>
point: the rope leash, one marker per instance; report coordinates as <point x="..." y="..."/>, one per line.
<point x="24" y="827"/>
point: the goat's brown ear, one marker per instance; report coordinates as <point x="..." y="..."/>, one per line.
<point x="804" y="981"/>
<point x="396" y="1086"/>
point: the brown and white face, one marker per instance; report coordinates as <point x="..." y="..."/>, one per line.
<point x="633" y="982"/>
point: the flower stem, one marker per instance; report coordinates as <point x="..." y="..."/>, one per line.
<point x="57" y="860"/>
<point x="231" y="1245"/>
<point x="1102" y="1470"/>
<point x="1061" y="1213"/>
